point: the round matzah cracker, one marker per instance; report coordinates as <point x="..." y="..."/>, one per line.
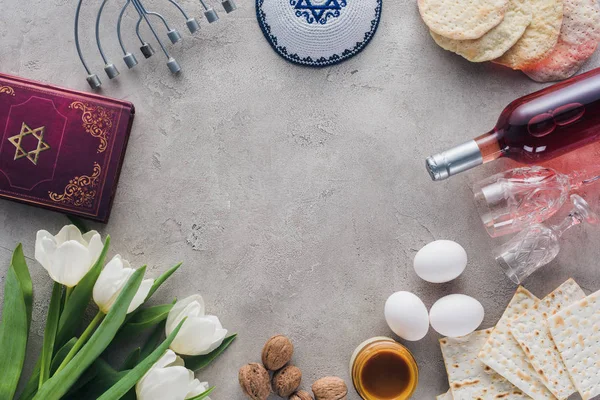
<point x="497" y="41"/>
<point x="579" y="37"/>
<point x="462" y="19"/>
<point x="539" y="38"/>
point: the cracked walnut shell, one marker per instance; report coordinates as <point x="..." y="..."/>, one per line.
<point x="254" y="380"/>
<point x="277" y="352"/>
<point x="330" y="388"/>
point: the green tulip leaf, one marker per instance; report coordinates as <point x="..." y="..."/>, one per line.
<point x="59" y="384"/>
<point x="147" y="318"/>
<point x="32" y="385"/>
<point x="13" y="335"/>
<point x="71" y="315"/>
<point x="78" y="223"/>
<point x="161" y="279"/>
<point x="97" y="379"/>
<point x="61" y="354"/>
<point x="134" y="375"/>
<point x="143" y="319"/>
<point x="79" y="299"/>
<point x="20" y="265"/>
<point x="151" y="316"/>
<point x="153" y="340"/>
<point x="198" y="362"/>
<point x="203" y="394"/>
<point x="50" y="332"/>
<point x="132" y="359"/>
<point x="157" y="283"/>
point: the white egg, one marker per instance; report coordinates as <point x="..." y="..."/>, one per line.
<point x="456" y="315"/>
<point x="440" y="261"/>
<point x="407" y="316"/>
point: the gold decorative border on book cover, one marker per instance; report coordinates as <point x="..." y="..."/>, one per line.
<point x="8" y="90"/>
<point x="80" y="191"/>
<point x="97" y="121"/>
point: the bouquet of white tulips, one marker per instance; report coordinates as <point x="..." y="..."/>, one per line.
<point x="70" y="365"/>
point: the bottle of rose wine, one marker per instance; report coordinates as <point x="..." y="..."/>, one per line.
<point x="534" y="128"/>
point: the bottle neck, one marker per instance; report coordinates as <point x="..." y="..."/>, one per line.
<point x="490" y="146"/>
<point x="482" y="149"/>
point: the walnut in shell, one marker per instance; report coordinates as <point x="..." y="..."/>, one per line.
<point x="301" y="395"/>
<point x="287" y="380"/>
<point x="254" y="380"/>
<point x="277" y="352"/>
<point x="330" y="388"/>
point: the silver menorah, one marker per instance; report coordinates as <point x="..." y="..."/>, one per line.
<point x="146" y="48"/>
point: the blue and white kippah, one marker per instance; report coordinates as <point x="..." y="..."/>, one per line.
<point x="318" y="33"/>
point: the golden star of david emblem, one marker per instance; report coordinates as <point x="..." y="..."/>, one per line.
<point x="32" y="155"/>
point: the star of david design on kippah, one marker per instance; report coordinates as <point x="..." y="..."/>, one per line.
<point x="318" y="33"/>
<point x="32" y="155"/>
<point x="316" y="12"/>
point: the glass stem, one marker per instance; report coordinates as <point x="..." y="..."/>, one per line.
<point x="589" y="181"/>
<point x="584" y="178"/>
<point x="572" y="220"/>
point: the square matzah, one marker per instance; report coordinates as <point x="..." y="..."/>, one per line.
<point x="467" y="375"/>
<point x="531" y="332"/>
<point x="576" y="332"/>
<point x="503" y="354"/>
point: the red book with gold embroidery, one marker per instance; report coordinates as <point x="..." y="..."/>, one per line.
<point x="61" y="149"/>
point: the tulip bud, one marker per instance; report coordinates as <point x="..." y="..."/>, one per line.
<point x="169" y="379"/>
<point x="200" y="333"/>
<point x="111" y="282"/>
<point x="69" y="255"/>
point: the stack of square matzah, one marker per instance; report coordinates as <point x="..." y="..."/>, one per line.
<point x="540" y="349"/>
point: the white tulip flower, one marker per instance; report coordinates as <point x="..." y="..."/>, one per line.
<point x="111" y="282"/>
<point x="169" y="379"/>
<point x="200" y="334"/>
<point x="69" y="255"/>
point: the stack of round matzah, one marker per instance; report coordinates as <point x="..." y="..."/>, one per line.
<point x="547" y="39"/>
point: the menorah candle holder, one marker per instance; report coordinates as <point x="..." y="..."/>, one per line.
<point x="146" y="48"/>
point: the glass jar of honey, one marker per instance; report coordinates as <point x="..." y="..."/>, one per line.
<point x="383" y="369"/>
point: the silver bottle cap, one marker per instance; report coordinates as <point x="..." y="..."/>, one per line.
<point x="454" y="161"/>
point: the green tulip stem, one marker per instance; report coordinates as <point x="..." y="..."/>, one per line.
<point x="68" y="293"/>
<point x="82" y="340"/>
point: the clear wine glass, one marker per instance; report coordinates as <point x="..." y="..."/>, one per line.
<point x="538" y="245"/>
<point x="513" y="200"/>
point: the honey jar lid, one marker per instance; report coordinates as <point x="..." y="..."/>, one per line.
<point x="365" y="344"/>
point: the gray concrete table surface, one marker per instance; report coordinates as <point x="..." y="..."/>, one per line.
<point x="296" y="197"/>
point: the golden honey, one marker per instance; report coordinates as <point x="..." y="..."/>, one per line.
<point x="383" y="369"/>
